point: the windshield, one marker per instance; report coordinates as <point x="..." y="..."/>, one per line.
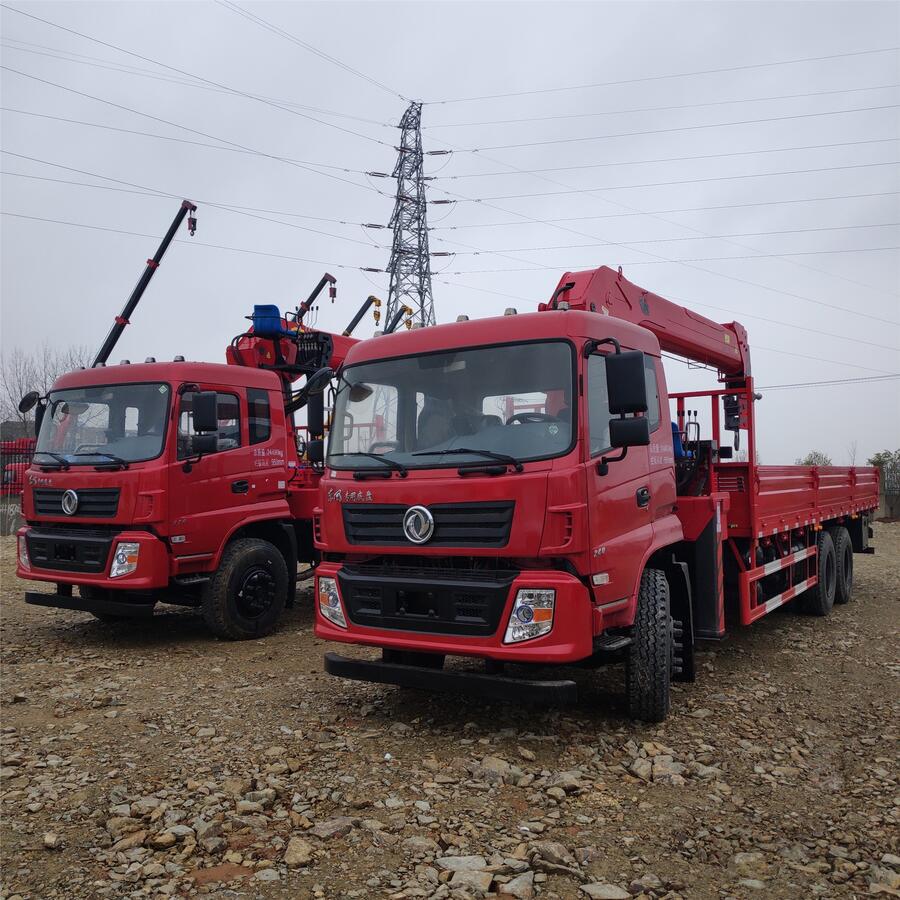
<point x="109" y="423"/>
<point x="512" y="401"/>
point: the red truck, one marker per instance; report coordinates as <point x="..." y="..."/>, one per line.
<point x="515" y="489"/>
<point x="182" y="482"/>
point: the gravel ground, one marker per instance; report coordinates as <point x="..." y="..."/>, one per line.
<point x="154" y="761"/>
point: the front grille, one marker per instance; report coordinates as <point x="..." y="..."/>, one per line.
<point x="424" y="599"/>
<point x="69" y="550"/>
<point x="96" y="503"/>
<point x="455" y="524"/>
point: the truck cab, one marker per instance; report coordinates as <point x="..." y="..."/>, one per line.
<point x="133" y="500"/>
<point x="463" y="508"/>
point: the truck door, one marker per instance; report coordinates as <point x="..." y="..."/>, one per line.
<point x="221" y="488"/>
<point x="619" y="502"/>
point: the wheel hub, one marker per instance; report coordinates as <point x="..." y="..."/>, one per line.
<point x="256" y="593"/>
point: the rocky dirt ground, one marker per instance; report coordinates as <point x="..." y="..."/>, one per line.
<point x="155" y="761"/>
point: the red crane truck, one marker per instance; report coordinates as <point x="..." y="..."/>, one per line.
<point x="520" y="493"/>
<point x="182" y="482"/>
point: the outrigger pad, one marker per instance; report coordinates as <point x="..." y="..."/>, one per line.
<point x="493" y="687"/>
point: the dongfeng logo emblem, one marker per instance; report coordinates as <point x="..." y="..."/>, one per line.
<point x="69" y="502"/>
<point x="418" y="524"/>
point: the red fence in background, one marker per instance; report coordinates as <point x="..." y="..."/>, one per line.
<point x="15" y="458"/>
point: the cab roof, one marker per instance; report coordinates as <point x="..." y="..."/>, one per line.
<point x="172" y="373"/>
<point x="575" y="325"/>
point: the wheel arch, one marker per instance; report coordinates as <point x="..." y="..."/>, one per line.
<point x="276" y="532"/>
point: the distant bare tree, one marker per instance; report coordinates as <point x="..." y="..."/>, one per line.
<point x="21" y="372"/>
<point x="851" y="452"/>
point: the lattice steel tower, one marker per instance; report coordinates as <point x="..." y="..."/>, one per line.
<point x="410" y="265"/>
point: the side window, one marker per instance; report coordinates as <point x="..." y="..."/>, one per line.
<point x="652" y="392"/>
<point x="598" y="404"/>
<point x="228" y="435"/>
<point x="259" y="417"/>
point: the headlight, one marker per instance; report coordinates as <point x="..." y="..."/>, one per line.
<point x="532" y="615"/>
<point x="330" y="602"/>
<point x="24" y="561"/>
<point x="125" y="559"/>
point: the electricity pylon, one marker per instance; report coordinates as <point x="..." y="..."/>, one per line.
<point x="410" y="265"/>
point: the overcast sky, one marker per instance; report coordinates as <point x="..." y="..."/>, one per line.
<point x="832" y="310"/>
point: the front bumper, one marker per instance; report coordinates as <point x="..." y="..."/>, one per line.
<point x="492" y="687"/>
<point x="570" y="639"/>
<point x="92" y="605"/>
<point x="69" y="556"/>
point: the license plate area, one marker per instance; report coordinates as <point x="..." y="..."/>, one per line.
<point x="420" y="604"/>
<point x="65" y="552"/>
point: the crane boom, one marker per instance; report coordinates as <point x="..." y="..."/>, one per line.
<point x="678" y="329"/>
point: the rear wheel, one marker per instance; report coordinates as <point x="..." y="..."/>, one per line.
<point x="247" y="593"/>
<point x="818" y="600"/>
<point x="843" y="554"/>
<point x="648" y="667"/>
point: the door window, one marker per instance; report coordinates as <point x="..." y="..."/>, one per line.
<point x="228" y="435"/>
<point x="259" y="416"/>
<point x="598" y="404"/>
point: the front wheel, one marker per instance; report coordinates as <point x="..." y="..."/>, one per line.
<point x="247" y="593"/>
<point x="648" y="667"/>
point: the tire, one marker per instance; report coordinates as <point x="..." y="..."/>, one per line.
<point x="247" y="593"/>
<point x="843" y="554"/>
<point x="648" y="667"/>
<point x="818" y="600"/>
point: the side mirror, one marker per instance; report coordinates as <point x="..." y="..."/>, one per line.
<point x="629" y="432"/>
<point x="206" y="413"/>
<point x="318" y="381"/>
<point x="202" y="444"/>
<point x="625" y="383"/>
<point x="315" y="451"/>
<point x="29" y="401"/>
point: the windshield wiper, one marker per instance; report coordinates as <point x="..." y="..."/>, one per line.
<point x="63" y="462"/>
<point x="489" y="454"/>
<point x="115" y="460"/>
<point x="392" y="464"/>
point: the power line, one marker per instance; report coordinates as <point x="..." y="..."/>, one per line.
<point x="676" y="239"/>
<point x="100" y="63"/>
<point x="165" y="137"/>
<point x="604" y="137"/>
<point x="243" y="211"/>
<point x="225" y="87"/>
<point x="664" y="260"/>
<point x="213" y="137"/>
<point x="682" y="225"/>
<point x="191" y="242"/>
<point x="153" y="194"/>
<point x="642" y="109"/>
<point x="666" y="159"/>
<point x="275" y="29"/>
<point x="698" y="268"/>
<point x="647" y="184"/>
<point x="834" y="382"/>
<point x="628" y="215"/>
<point x="645" y="78"/>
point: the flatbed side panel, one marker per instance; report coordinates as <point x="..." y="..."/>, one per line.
<point x="794" y="496"/>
